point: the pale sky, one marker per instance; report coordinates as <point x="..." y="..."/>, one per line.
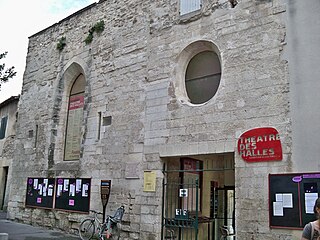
<point x="20" y="20"/>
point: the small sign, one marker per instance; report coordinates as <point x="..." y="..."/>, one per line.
<point x="260" y="144"/>
<point x="183" y="193"/>
<point x="181" y="213"/>
<point x="149" y="184"/>
<point x="105" y="191"/>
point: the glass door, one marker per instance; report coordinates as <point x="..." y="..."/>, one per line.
<point x="223" y="210"/>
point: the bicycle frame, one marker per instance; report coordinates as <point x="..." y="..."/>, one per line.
<point x="92" y="226"/>
<point x="98" y="226"/>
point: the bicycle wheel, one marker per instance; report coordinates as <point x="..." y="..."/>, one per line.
<point x="115" y="232"/>
<point x="87" y="229"/>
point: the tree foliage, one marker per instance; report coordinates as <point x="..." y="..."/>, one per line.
<point x="5" y="74"/>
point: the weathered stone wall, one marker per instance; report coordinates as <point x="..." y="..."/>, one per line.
<point x="8" y="109"/>
<point x="253" y="92"/>
<point x="132" y="73"/>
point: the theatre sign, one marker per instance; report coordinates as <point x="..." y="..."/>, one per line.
<point x="260" y="144"/>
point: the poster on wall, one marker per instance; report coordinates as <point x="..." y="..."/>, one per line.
<point x="149" y="181"/>
<point x="40" y="192"/>
<point x="260" y="145"/>
<point x="73" y="135"/>
<point x="191" y="165"/>
<point x="73" y="194"/>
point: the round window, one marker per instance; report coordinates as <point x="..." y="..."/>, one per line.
<point x="202" y="77"/>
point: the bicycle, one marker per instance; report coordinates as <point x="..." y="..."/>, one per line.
<point x="92" y="227"/>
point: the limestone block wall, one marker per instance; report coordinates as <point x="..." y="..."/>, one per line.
<point x="253" y="93"/>
<point x="134" y="74"/>
<point x="8" y="109"/>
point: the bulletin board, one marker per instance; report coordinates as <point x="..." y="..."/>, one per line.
<point x="40" y="192"/>
<point x="73" y="194"/>
<point x="291" y="199"/>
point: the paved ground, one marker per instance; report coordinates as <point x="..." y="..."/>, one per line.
<point x="19" y="231"/>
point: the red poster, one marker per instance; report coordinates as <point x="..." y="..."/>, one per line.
<point x="190" y="165"/>
<point x="260" y="144"/>
<point x="76" y="102"/>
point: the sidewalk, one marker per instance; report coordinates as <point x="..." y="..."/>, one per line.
<point x="19" y="231"/>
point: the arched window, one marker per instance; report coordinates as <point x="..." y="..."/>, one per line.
<point x="74" y="120"/>
<point x="202" y="77"/>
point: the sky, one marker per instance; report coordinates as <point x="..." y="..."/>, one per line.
<point x="20" y="20"/>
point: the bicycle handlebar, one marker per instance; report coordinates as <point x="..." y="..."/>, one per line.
<point x="96" y="212"/>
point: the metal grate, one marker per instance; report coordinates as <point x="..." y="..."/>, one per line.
<point x="180" y="219"/>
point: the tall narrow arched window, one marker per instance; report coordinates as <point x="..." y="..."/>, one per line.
<point x="74" y="120"/>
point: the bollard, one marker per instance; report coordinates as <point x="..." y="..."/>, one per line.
<point x="4" y="236"/>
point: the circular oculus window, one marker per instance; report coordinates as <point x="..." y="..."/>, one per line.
<point x="202" y="77"/>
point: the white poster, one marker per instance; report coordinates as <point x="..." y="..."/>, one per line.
<point x="45" y="183"/>
<point x="78" y="185"/>
<point x="35" y="183"/>
<point x="279" y="197"/>
<point x="59" y="190"/>
<point x="65" y="185"/>
<point x="277" y="209"/>
<point x="50" y="190"/>
<point x="310" y="199"/>
<point x="72" y="191"/>
<point x="287" y="200"/>
<point x="40" y="189"/>
<point x="85" y="188"/>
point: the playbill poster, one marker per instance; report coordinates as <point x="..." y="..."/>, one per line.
<point x="149" y="181"/>
<point x="73" y="135"/>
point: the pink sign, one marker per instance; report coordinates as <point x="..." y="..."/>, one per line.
<point x="71" y="202"/>
<point x="260" y="144"/>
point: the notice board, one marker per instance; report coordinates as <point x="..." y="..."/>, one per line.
<point x="73" y="194"/>
<point x="291" y="199"/>
<point x="40" y="192"/>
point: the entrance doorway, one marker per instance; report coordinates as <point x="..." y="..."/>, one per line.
<point x="3" y="189"/>
<point x="198" y="197"/>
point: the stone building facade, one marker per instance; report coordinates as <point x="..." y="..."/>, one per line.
<point x="122" y="103"/>
<point x="8" y="118"/>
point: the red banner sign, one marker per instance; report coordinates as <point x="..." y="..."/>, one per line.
<point x="260" y="144"/>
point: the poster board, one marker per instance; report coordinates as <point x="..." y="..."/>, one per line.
<point x="40" y="192"/>
<point x="73" y="194"/>
<point x="291" y="199"/>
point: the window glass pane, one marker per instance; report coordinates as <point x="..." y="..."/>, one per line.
<point x="75" y="120"/>
<point x="73" y="135"/>
<point x="78" y="85"/>
<point x="201" y="90"/>
<point x="3" y="127"/>
<point x="203" y="77"/>
<point x="187" y="6"/>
